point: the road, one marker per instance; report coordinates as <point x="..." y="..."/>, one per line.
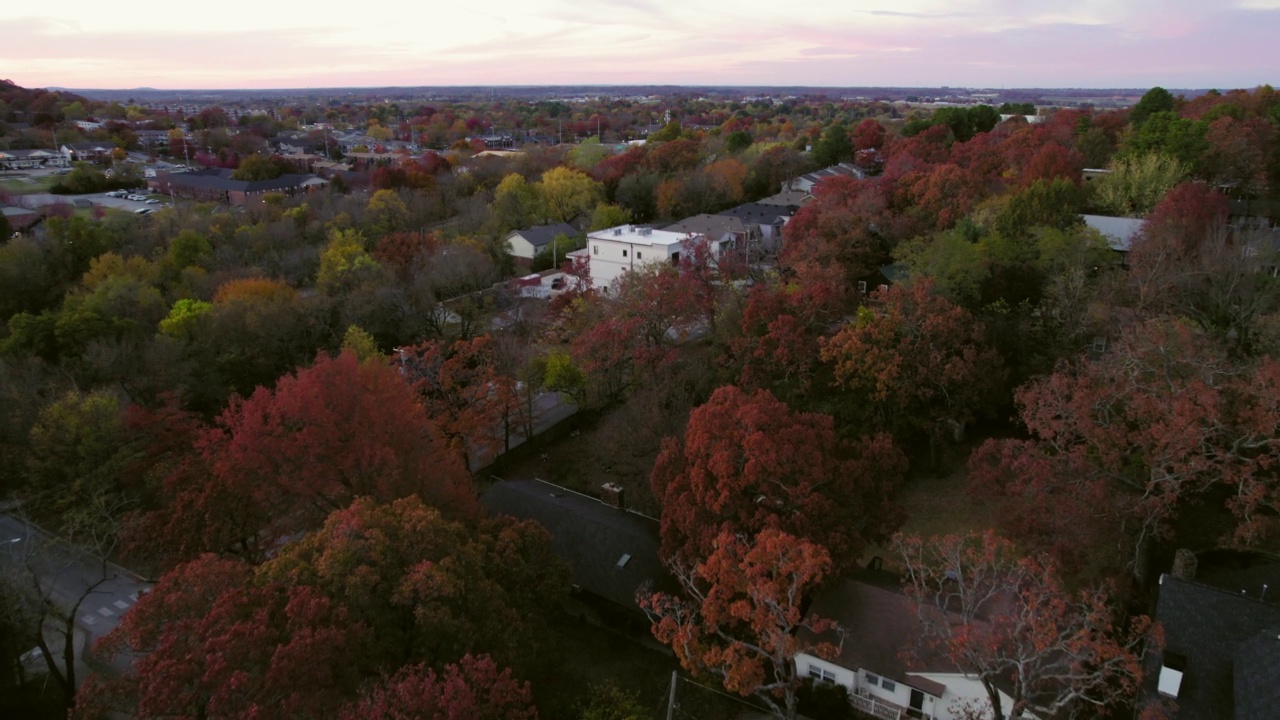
<point x="67" y="574"/>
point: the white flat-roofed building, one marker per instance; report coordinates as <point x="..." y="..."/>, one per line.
<point x="613" y="251"/>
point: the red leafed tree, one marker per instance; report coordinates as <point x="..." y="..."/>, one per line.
<point x="868" y="135"/>
<point x="473" y="689"/>
<point x="1177" y="246"/>
<point x="463" y="393"/>
<point x="1052" y="161"/>
<point x="780" y="326"/>
<point x="843" y="227"/>
<point x="207" y="643"/>
<point x="1162" y="421"/>
<point x="741" y="619"/>
<point x="430" y="589"/>
<point x="941" y="196"/>
<point x="1240" y="150"/>
<point x="918" y="363"/>
<point x="279" y="461"/>
<point x="747" y="463"/>
<point x="1009" y="621"/>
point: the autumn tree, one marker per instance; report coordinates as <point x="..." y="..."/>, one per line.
<point x="429" y="589"/>
<point x="463" y="392"/>
<point x="1008" y="620"/>
<point x="747" y="462"/>
<point x="741" y="619"/>
<point x="920" y="365"/>
<point x="1121" y="445"/>
<point x="474" y="688"/>
<point x="567" y="192"/>
<point x="208" y="642"/>
<point x="278" y="461"/>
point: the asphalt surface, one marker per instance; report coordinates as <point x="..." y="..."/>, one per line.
<point x="67" y="574"/>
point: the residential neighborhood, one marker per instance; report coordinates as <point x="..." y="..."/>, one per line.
<point x="619" y="403"/>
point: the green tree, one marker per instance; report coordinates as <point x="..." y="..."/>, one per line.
<point x="834" y="147"/>
<point x="344" y="262"/>
<point x="1155" y="100"/>
<point x="607" y="216"/>
<point x="568" y="192"/>
<point x="588" y="153"/>
<point x="516" y="204"/>
<point x="361" y="343"/>
<point x="258" y="167"/>
<point x="670" y="131"/>
<point x="1135" y="184"/>
<point x="76" y="455"/>
<point x="607" y="701"/>
<point x="185" y="319"/>
<point x="736" y="142"/>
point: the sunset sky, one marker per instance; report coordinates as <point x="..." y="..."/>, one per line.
<point x="960" y="43"/>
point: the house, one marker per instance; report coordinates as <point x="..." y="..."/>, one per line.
<point x="766" y="219"/>
<point x="87" y="150"/>
<point x="879" y="622"/>
<point x="719" y="229"/>
<point x="217" y="185"/>
<point x="1221" y="654"/>
<point x="616" y="250"/>
<point x="31" y="159"/>
<point x="525" y="244"/>
<point x="806" y="183"/>
<point x="612" y="552"/>
<point x="1118" y="231"/>
<point x="21" y="220"/>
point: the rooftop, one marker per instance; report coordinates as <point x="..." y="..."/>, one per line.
<point x="613" y="552"/>
<point x="639" y="235"/>
<point x="542" y="235"/>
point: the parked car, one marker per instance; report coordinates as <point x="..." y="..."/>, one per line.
<point x="137" y="198"/>
<point x="152" y="201"/>
<point x="144" y="211"/>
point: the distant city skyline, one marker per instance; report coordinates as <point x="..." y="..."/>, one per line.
<point x="905" y="43"/>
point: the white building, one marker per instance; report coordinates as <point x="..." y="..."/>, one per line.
<point x="613" y="251"/>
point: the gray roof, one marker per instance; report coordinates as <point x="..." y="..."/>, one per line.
<point x="1119" y="231"/>
<point x="1231" y="644"/>
<point x="712" y="226"/>
<point x="879" y="623"/>
<point x="591" y="536"/>
<point x="541" y="236"/>
<point x="794" y="198"/>
<point x="761" y="213"/>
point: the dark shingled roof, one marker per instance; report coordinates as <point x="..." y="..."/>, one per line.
<point x="591" y="536"/>
<point x="1231" y="643"/>
<point x="541" y="236"/>
<point x="760" y="213"/>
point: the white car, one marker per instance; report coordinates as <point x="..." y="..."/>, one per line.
<point x="137" y="198"/>
<point x="152" y="201"/>
<point x="144" y="211"/>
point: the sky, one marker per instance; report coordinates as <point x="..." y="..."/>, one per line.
<point x="87" y="44"/>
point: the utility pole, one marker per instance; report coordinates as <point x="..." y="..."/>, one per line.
<point x="671" y="701"/>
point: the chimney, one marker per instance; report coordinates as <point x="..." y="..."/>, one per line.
<point x="1184" y="564"/>
<point x="611" y="495"/>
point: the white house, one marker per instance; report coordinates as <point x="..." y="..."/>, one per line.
<point x="616" y="250"/>
<point x="30" y="159"/>
<point x="879" y="624"/>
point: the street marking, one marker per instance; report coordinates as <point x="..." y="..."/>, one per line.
<point x="121" y="604"/>
<point x="133" y="597"/>
<point x="88" y="619"/>
<point x="105" y="612"/>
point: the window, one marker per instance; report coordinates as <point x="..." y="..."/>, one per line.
<point x="873" y="679"/>
<point x="888" y="684"/>
<point x="821" y="674"/>
<point x="637" y="254"/>
<point x="595" y="249"/>
<point x="624" y="253"/>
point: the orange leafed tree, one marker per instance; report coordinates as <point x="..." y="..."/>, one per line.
<point x="1008" y="620"/>
<point x="747" y="463"/>
<point x="741" y="619"/>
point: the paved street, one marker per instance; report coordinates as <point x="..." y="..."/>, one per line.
<point x="66" y="574"/>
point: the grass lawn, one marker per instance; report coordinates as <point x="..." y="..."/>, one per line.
<point x="20" y="185"/>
